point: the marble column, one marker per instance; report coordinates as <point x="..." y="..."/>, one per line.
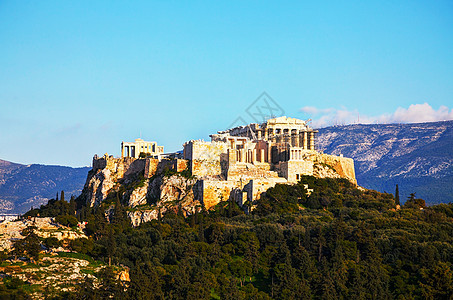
<point x="312" y="140"/>
<point x="305" y="143"/>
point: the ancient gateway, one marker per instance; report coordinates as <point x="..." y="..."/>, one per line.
<point x="237" y="164"/>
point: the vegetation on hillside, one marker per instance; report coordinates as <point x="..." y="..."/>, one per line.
<point x="337" y="243"/>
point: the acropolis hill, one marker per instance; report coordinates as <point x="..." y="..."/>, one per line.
<point x="238" y="164"/>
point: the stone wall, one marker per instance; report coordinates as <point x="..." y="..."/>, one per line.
<point x="256" y="187"/>
<point x="214" y="191"/>
<point x="247" y="171"/>
<point x="204" y="150"/>
<point x="208" y="159"/>
<point x="181" y="164"/>
<point x="135" y="167"/>
<point x="150" y="167"/>
<point x="340" y="166"/>
<point x="118" y="166"/>
<point x="292" y="170"/>
<point x="153" y="166"/>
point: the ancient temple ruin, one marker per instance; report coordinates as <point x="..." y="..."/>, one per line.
<point x="245" y="161"/>
<point x="278" y="139"/>
<point x="133" y="149"/>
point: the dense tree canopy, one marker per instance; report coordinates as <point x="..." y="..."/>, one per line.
<point x="339" y="242"/>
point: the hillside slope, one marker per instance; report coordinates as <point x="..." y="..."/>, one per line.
<point x="418" y="157"/>
<point x="24" y="186"/>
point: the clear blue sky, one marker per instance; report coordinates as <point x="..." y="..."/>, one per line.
<point x="79" y="77"/>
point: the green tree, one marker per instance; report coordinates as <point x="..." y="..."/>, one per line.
<point x="67" y="220"/>
<point x="110" y="245"/>
<point x="397" y="195"/>
<point x="29" y="246"/>
<point x="413" y="202"/>
<point x="437" y="283"/>
<point x="146" y="283"/>
<point x="241" y="269"/>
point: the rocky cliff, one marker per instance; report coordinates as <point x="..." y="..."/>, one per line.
<point x="147" y="191"/>
<point x="149" y="187"/>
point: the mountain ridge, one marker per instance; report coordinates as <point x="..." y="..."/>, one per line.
<point x="25" y="186"/>
<point x="416" y="156"/>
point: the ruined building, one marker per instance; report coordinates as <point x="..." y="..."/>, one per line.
<point x="245" y="161"/>
<point x="140" y="146"/>
<point x="238" y="164"/>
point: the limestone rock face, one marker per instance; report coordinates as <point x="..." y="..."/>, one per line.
<point x="123" y="276"/>
<point x="175" y="188"/>
<point x="341" y="166"/>
<point x="98" y="186"/>
<point x="62" y="235"/>
<point x="172" y="193"/>
<point x="46" y="227"/>
<point x="137" y="181"/>
<point x="138" y="195"/>
<point x="140" y="216"/>
<point x="181" y="191"/>
<point x="108" y="172"/>
<point x="324" y="171"/>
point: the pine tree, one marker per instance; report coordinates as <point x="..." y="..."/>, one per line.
<point x="72" y="205"/>
<point x="397" y="196"/>
<point x="110" y="244"/>
<point x="119" y="214"/>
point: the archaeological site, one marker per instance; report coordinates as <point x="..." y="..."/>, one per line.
<point x="238" y="165"/>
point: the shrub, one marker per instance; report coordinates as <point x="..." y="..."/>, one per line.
<point x="67" y="220"/>
<point x="81" y="245"/>
<point x="144" y="154"/>
<point x="52" y="242"/>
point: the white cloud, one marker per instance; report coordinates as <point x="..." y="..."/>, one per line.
<point x="422" y="113"/>
<point x="313" y="110"/>
<point x="415" y="113"/>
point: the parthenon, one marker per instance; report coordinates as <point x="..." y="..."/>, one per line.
<point x="245" y="161"/>
<point x="277" y="130"/>
<point x="278" y="139"/>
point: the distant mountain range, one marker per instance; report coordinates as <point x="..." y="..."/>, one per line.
<point x="24" y="186"/>
<point x="418" y="157"/>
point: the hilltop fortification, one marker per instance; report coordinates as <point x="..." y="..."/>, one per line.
<point x="238" y="164"/>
